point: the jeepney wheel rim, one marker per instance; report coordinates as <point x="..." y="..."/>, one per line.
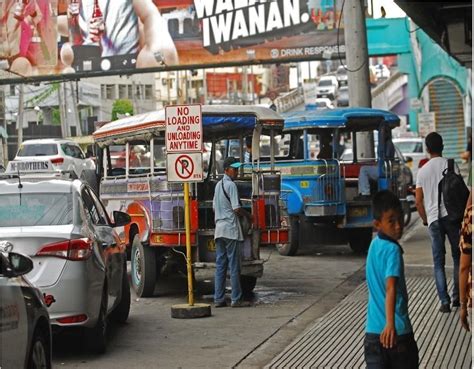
<point x="137" y="267"/>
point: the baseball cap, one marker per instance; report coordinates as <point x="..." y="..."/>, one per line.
<point x="231" y="162"/>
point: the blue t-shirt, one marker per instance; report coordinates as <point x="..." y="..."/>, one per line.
<point x="385" y="260"/>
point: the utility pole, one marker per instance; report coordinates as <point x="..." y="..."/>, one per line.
<point x="357" y="60"/>
<point x="21" y="111"/>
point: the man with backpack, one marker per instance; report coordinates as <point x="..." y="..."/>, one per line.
<point x="440" y="191"/>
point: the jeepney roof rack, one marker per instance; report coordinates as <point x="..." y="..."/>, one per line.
<point x="217" y="120"/>
<point x="342" y="118"/>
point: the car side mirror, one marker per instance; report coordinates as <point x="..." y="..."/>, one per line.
<point x="121" y="219"/>
<point x="17" y="265"/>
<point x="408" y="159"/>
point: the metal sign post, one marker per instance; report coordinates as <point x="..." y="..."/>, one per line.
<point x="184" y="164"/>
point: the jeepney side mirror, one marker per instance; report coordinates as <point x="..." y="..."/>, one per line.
<point x="121" y="219"/>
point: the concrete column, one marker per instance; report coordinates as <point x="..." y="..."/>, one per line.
<point x="357" y="61"/>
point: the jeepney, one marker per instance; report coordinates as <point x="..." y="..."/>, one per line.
<point x="320" y="189"/>
<point x="131" y="167"/>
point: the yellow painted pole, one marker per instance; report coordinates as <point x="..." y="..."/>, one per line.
<point x="187" y="225"/>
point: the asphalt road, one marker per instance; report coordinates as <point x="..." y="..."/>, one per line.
<point x="293" y="292"/>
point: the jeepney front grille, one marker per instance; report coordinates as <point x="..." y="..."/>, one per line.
<point x="328" y="186"/>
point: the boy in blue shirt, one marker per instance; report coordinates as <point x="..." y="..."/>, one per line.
<point x="389" y="340"/>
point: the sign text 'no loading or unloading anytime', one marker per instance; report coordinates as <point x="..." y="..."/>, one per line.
<point x="184" y="143"/>
<point x="183" y="128"/>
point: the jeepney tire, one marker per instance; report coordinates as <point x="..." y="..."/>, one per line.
<point x="247" y="283"/>
<point x="359" y="240"/>
<point x="143" y="268"/>
<point x="406" y="213"/>
<point x="290" y="248"/>
<point x="90" y="177"/>
<point x="122" y="310"/>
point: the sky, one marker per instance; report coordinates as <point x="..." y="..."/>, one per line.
<point x="392" y="10"/>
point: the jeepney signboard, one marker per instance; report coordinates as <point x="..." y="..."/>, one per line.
<point x="184" y="143"/>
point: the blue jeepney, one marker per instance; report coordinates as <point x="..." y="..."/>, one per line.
<point x="321" y="188"/>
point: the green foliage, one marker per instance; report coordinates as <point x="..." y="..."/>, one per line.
<point x="56" y="117"/>
<point x="121" y="106"/>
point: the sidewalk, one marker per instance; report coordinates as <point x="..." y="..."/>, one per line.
<point x="336" y="339"/>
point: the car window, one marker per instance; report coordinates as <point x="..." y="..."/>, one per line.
<point x="92" y="212"/>
<point x="38" y="150"/>
<point x="104" y="218"/>
<point x="35" y="209"/>
<point x="72" y="151"/>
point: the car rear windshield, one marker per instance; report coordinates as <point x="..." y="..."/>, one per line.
<point x="38" y="150"/>
<point x="410" y="147"/>
<point x="35" y="209"/>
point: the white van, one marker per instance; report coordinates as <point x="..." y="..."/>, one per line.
<point x="327" y="87"/>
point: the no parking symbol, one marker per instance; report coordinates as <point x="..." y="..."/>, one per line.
<point x="185" y="167"/>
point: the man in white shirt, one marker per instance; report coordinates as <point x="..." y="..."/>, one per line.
<point x="228" y="235"/>
<point x="435" y="218"/>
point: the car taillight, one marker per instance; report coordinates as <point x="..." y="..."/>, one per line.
<point x="78" y="249"/>
<point x="57" y="160"/>
<point x="422" y="162"/>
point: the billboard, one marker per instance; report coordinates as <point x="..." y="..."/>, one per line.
<point x="48" y="39"/>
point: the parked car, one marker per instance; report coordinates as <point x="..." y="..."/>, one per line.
<point x="327" y="87"/>
<point x="64" y="154"/>
<point x="343" y="96"/>
<point x="414" y="151"/>
<point x="324" y="102"/>
<point x="79" y="260"/>
<point x="25" y="332"/>
<point x="341" y="75"/>
<point x="382" y="71"/>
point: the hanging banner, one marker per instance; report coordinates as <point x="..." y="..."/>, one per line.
<point x="72" y="38"/>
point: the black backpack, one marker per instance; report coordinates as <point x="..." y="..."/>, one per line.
<point x="455" y="193"/>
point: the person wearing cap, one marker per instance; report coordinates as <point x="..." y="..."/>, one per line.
<point x="228" y="235"/>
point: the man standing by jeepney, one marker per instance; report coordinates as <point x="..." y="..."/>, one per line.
<point x="228" y="235"/>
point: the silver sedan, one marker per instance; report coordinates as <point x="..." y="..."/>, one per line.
<point x="79" y="261"/>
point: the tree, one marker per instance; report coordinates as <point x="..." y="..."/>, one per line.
<point x="121" y="107"/>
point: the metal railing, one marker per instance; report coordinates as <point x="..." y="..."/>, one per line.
<point x="328" y="184"/>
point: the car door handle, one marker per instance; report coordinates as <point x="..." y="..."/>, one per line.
<point x="106" y="245"/>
